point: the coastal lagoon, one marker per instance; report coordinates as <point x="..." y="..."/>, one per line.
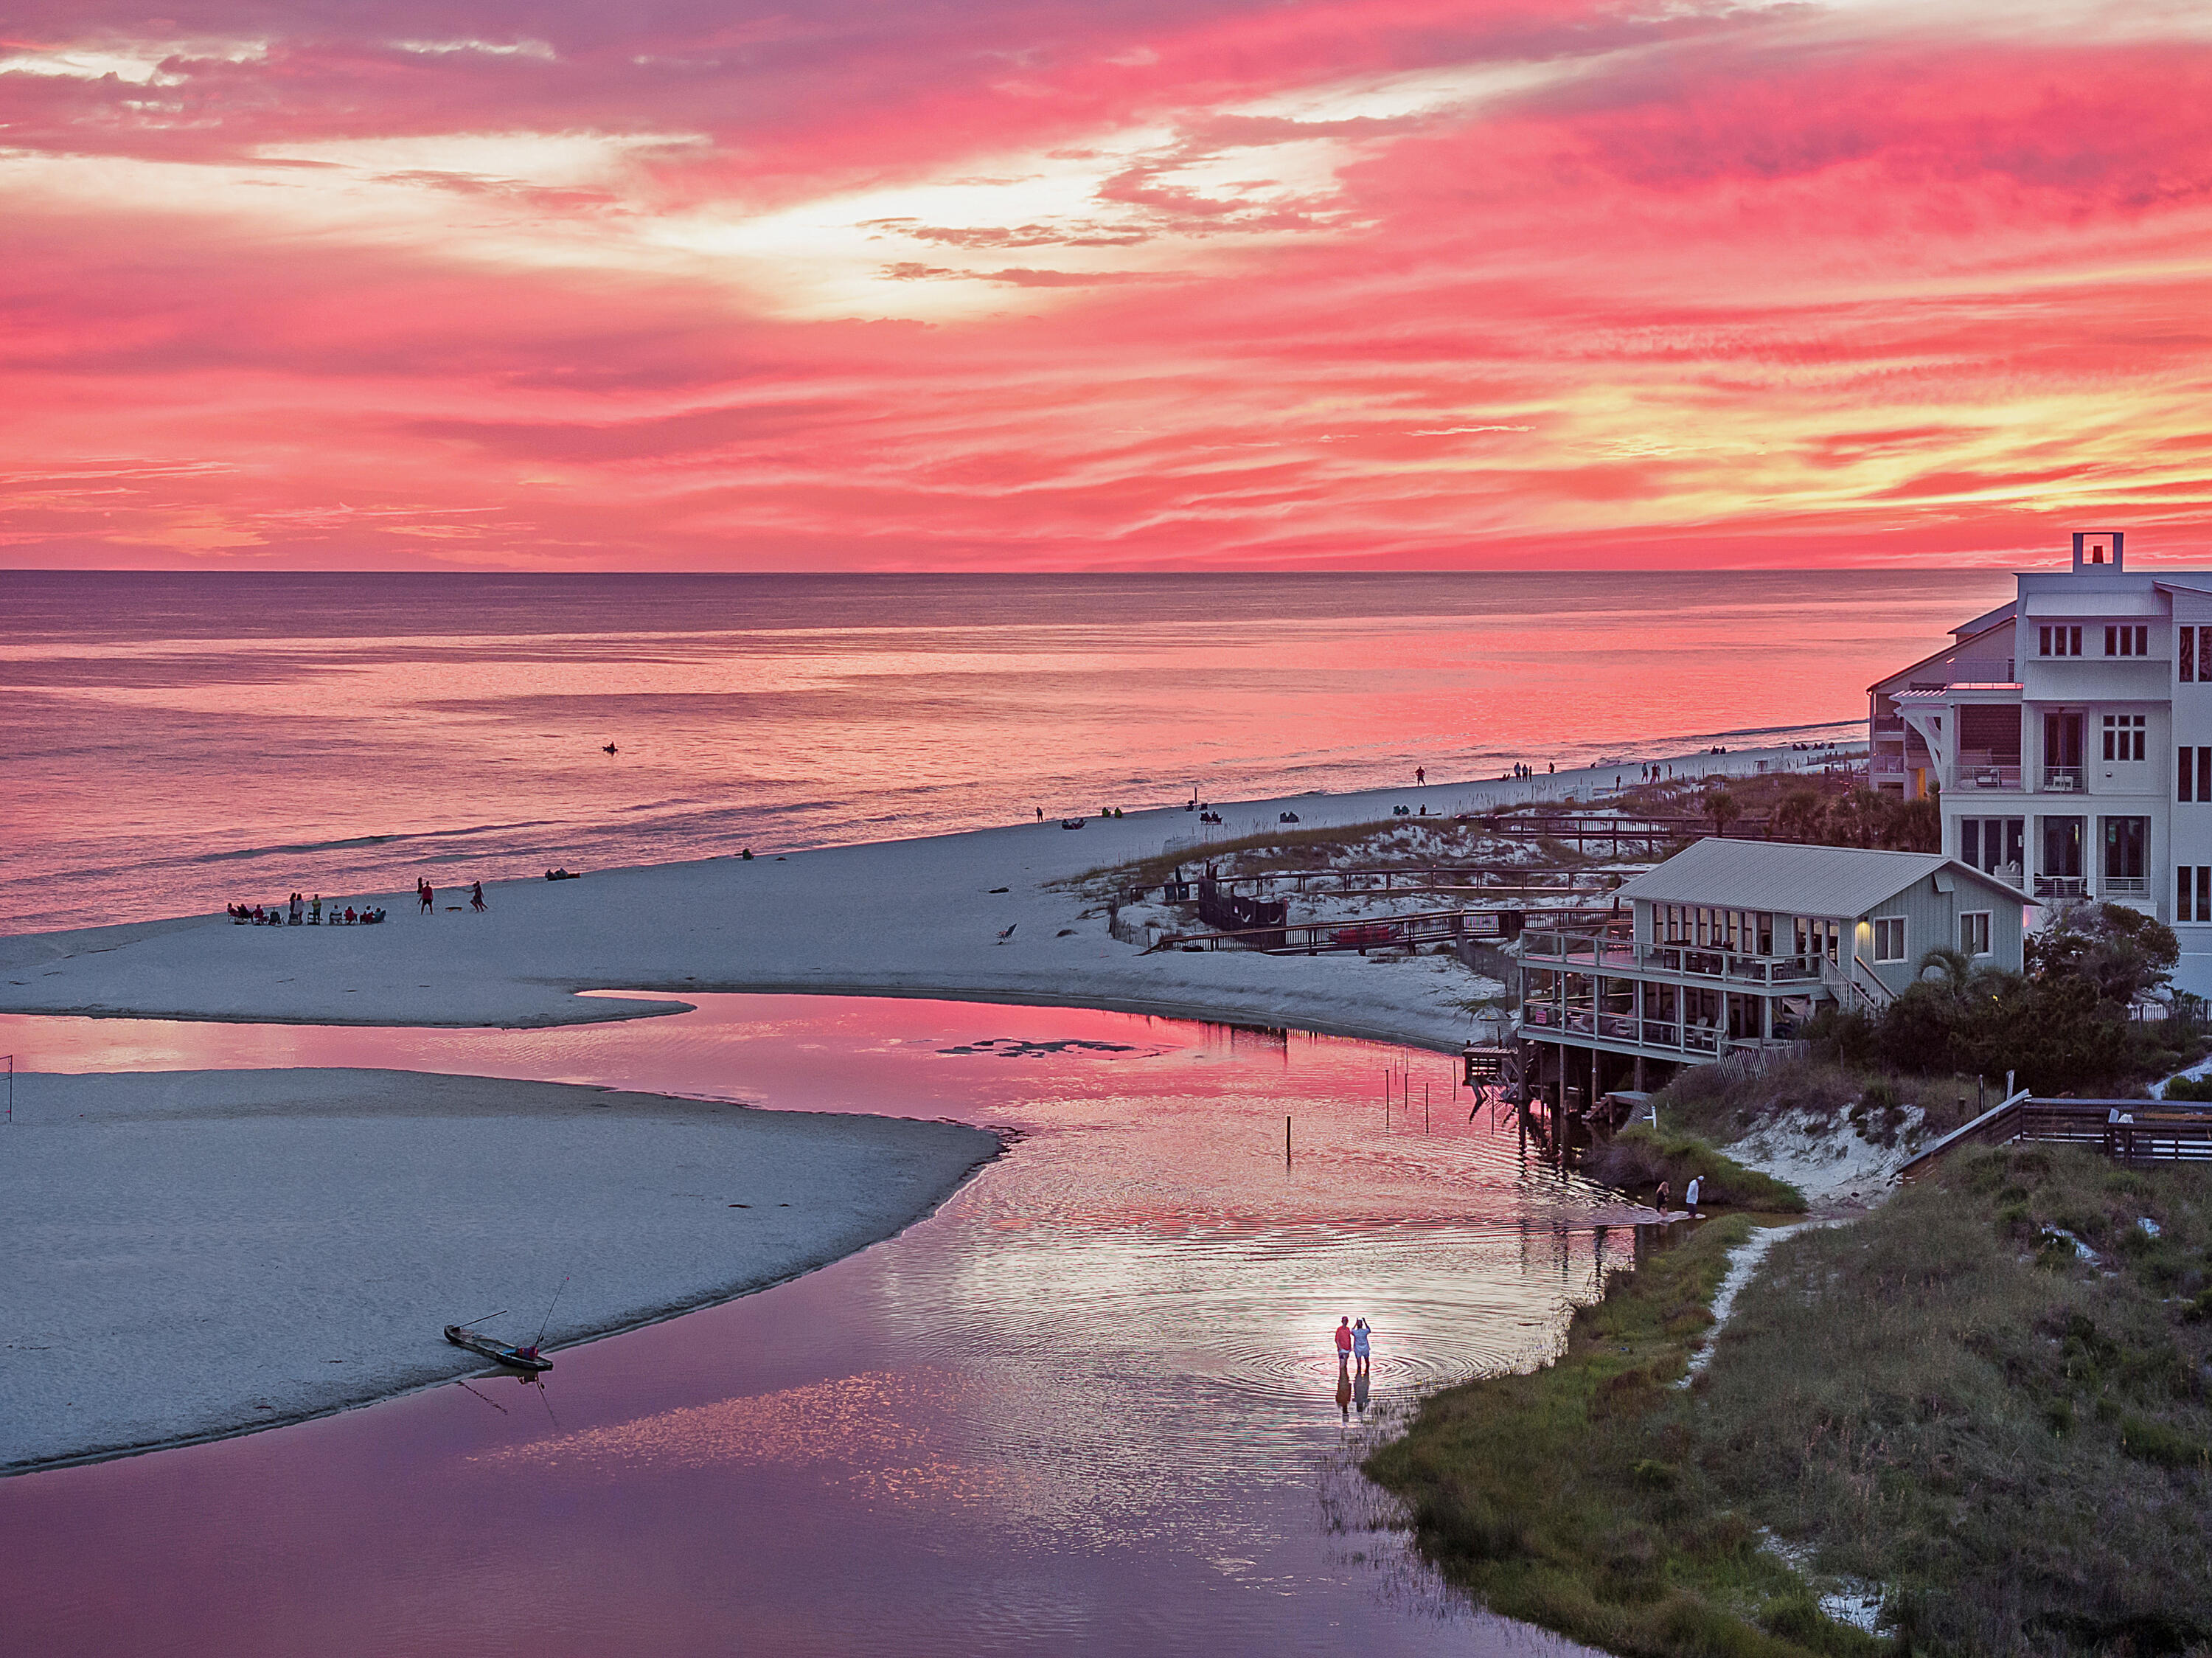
<point x="1087" y="1405"/>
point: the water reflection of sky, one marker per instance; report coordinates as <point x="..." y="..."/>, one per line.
<point x="1090" y="1405"/>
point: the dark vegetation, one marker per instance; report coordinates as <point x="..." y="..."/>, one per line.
<point x="1573" y="1497"/>
<point x="1389" y="841"/>
<point x="2066" y="1025"/>
<point x="1836" y="809"/>
<point x="1950" y="1405"/>
<point x="1723" y="1103"/>
<point x="1639" y="1157"/>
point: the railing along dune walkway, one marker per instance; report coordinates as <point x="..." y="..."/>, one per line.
<point x="2157" y="1131"/>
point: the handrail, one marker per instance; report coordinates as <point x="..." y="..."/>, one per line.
<point x="1972" y="1133"/>
<point x="1371" y="933"/>
<point x="2023" y="1116"/>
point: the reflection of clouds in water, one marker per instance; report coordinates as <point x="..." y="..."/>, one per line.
<point x="1015" y="1047"/>
<point x="875" y="1430"/>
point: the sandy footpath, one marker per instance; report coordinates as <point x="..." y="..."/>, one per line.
<point x="200" y="1252"/>
<point x="916" y="918"/>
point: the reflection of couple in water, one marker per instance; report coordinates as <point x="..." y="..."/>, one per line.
<point x="1352" y="1355"/>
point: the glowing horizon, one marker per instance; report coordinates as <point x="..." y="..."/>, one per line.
<point x="1352" y="284"/>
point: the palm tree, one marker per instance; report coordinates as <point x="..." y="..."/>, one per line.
<point x="1797" y="815"/>
<point x="1723" y="808"/>
<point x="1956" y="970"/>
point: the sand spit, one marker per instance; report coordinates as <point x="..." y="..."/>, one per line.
<point x="195" y="1253"/>
<point x="914" y="917"/>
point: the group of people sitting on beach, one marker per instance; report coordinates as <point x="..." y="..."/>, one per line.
<point x="298" y="912"/>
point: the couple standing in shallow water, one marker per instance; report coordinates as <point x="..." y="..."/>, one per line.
<point x="1353" y="1343"/>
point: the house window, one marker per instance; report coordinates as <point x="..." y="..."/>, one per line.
<point x="1974" y="932"/>
<point x="1993" y="843"/>
<point x="2127" y="642"/>
<point x="2193" y="893"/>
<point x="2125" y="840"/>
<point x="1818" y="936"/>
<point x="1889" y="938"/>
<point x="2123" y="736"/>
<point x="2058" y="642"/>
<point x="2185" y="654"/>
<point x="2192" y="776"/>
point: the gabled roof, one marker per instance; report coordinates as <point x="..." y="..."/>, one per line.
<point x="1961" y="639"/>
<point x="1984" y="622"/>
<point x="1806" y="881"/>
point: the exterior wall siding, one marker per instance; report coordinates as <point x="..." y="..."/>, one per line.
<point x="2177" y="835"/>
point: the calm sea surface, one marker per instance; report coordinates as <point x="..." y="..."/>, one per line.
<point x="1089" y="1406"/>
<point x="178" y="742"/>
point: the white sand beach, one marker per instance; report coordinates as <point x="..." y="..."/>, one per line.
<point x="912" y="917"/>
<point x="202" y="1253"/>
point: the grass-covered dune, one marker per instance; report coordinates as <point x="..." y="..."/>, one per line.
<point x="1983" y="1405"/>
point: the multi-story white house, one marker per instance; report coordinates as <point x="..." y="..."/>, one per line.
<point x="2068" y="737"/>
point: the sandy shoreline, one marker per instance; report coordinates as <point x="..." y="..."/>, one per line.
<point x="144" y="1317"/>
<point x="912" y="917"/>
<point x="183" y="1265"/>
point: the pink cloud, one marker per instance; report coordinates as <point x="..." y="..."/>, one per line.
<point x="1740" y="287"/>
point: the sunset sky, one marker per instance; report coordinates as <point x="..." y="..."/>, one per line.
<point x="1115" y="285"/>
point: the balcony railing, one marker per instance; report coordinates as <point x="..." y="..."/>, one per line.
<point x="2126" y="887"/>
<point x="2062" y="779"/>
<point x="1597" y="953"/>
<point x="1887" y="766"/>
<point x="1988" y="776"/>
<point x="2061" y="886"/>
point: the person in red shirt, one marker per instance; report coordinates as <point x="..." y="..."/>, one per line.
<point x="1344" y="1343"/>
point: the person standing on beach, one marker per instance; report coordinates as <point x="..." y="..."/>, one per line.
<point x="1343" y="1344"/>
<point x="475" y="897"/>
<point x="422" y="890"/>
<point x="1420" y="774"/>
<point x="1361" y="1341"/>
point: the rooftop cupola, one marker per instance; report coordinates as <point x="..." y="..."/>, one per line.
<point x="2096" y="550"/>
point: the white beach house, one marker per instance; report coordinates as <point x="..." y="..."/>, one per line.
<point x="2068" y="736"/>
<point x="1733" y="944"/>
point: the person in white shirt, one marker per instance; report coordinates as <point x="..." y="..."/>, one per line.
<point x="1690" y="1195"/>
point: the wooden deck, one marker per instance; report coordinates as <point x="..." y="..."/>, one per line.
<point x="1380" y="932"/>
<point x="2162" y="1131"/>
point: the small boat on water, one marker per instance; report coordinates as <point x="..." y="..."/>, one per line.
<point x="499" y="1352"/>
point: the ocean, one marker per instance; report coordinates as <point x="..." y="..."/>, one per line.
<point x="178" y="742"/>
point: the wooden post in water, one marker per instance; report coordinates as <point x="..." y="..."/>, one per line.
<point x="1286" y="1143"/>
<point x="1425" y="1107"/>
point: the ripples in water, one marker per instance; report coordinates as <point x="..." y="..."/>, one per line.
<point x="1091" y="1404"/>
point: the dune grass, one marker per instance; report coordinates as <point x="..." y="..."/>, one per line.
<point x="1640" y="1156"/>
<point x="1572" y="1497"/>
<point x="1985" y="1403"/>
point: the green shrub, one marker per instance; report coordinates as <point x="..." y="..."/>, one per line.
<point x="1636" y="1159"/>
<point x="2156" y="1442"/>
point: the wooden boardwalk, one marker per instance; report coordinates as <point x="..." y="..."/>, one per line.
<point x="2156" y="1131"/>
<point x="1380" y="932"/>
